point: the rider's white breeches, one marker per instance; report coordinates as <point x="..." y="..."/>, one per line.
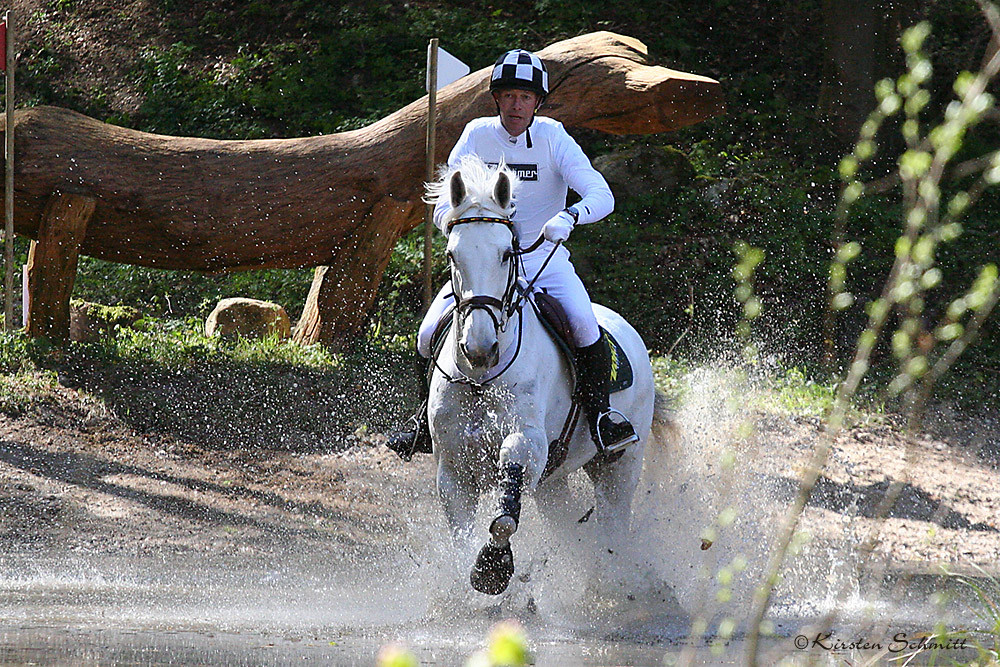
<point x="559" y="279"/>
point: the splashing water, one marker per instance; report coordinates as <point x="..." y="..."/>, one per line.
<point x="580" y="599"/>
<point x="703" y="507"/>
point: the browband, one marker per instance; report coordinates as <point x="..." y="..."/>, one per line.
<point x="462" y="221"/>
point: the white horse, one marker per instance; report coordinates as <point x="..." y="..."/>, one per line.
<point x="501" y="389"/>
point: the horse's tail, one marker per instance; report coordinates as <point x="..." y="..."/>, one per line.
<point x="665" y="427"/>
<point x="664" y="439"/>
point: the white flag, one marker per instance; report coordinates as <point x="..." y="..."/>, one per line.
<point x="449" y="69"/>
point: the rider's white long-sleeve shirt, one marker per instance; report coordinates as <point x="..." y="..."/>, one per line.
<point x="554" y="163"/>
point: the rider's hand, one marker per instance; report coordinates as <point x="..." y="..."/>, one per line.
<point x="558" y="227"/>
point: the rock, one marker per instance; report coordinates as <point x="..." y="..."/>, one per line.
<point x="248" y="318"/>
<point x="89" y="322"/>
<point x="645" y="170"/>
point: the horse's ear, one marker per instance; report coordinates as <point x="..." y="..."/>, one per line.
<point x="501" y="191"/>
<point x="457" y="189"/>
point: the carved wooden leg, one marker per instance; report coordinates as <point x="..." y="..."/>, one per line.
<point x="341" y="295"/>
<point x="52" y="264"/>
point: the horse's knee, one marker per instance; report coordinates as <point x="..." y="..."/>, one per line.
<point x="527" y="450"/>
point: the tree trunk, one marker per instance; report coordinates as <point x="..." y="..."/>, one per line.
<point x="341" y="295"/>
<point x="338" y="200"/>
<point x="861" y="40"/>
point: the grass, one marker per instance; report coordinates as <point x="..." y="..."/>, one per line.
<point x="26" y="378"/>
<point x="167" y="376"/>
<point x="143" y="370"/>
<point x="181" y="343"/>
<point x="25" y="389"/>
<point x="986" y="593"/>
<point x="792" y="392"/>
<point x="768" y="387"/>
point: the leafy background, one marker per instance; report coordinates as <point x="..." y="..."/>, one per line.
<point x="764" y="173"/>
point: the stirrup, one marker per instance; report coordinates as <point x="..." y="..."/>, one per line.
<point x="412" y="438"/>
<point x="620" y="434"/>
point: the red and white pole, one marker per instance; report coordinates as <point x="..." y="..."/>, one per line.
<point x="7" y="65"/>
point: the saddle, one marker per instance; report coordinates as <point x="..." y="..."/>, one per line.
<point x="554" y="320"/>
<point x="553" y="317"/>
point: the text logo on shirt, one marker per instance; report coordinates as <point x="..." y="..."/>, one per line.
<point x="525" y="172"/>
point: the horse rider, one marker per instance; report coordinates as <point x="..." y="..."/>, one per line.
<point x="547" y="160"/>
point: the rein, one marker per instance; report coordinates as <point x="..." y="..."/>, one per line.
<point x="513" y="299"/>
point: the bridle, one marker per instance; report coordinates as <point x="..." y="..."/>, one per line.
<point x="511" y="302"/>
<point x="487" y="302"/>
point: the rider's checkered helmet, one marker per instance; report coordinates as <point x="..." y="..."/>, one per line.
<point x="520" y="69"/>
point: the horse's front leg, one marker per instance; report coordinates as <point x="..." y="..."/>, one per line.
<point x="459" y="499"/>
<point x="522" y="457"/>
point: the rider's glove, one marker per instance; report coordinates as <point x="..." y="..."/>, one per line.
<point x="558" y="227"/>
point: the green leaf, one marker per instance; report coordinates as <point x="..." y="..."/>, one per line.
<point x="913" y="38"/>
<point x="914" y="163"/>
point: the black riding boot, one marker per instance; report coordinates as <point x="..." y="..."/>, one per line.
<point x="609" y="428"/>
<point x="414" y="434"/>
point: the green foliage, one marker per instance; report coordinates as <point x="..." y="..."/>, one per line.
<point x="398" y="309"/>
<point x="183" y="343"/>
<point x="157" y="292"/>
<point x="23" y="390"/>
<point x="359" y="62"/>
<point x="668" y="373"/>
<point x="924" y="345"/>
<point x="17" y="352"/>
<point x="794" y="393"/>
<point x="986" y="606"/>
<point x="181" y="101"/>
<point x="166" y="376"/>
<point x="770" y="387"/>
<point x="763" y="171"/>
<point x="25" y="380"/>
<point x="664" y="260"/>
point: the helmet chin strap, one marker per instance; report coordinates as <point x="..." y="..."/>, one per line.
<point x="527" y="130"/>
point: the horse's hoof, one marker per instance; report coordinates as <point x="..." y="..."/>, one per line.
<point x="493" y="569"/>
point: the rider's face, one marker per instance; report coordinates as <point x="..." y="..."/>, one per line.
<point x="517" y="107"/>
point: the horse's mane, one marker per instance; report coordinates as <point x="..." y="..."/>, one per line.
<point x="479" y="179"/>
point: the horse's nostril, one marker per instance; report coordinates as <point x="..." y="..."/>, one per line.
<point x="478" y="355"/>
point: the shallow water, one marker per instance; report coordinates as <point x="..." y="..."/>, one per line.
<point x="580" y="604"/>
<point x="56" y="645"/>
<point x="293" y="608"/>
<point x="193" y="610"/>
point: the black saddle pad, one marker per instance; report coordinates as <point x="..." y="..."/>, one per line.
<point x="621" y="367"/>
<point x="554" y="321"/>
